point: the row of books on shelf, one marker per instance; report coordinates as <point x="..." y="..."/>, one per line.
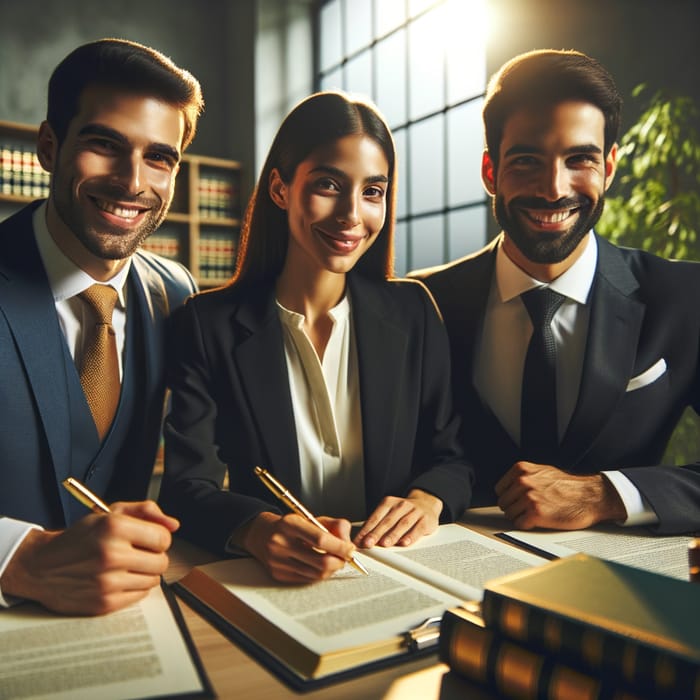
<point x="219" y="198"/>
<point x="216" y="252"/>
<point x="21" y="173"/>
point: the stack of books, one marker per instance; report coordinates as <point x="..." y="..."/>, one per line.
<point x="579" y="627"/>
<point x="21" y="174"/>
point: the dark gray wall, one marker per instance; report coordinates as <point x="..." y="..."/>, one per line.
<point x="213" y="39"/>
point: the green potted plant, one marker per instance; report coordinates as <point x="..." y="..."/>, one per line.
<point x="656" y="205"/>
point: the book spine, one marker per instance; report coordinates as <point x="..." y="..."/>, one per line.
<point x="597" y="650"/>
<point x="500" y="664"/>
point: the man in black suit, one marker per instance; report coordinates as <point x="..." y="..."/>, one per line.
<point x="625" y="328"/>
<point x="119" y="116"/>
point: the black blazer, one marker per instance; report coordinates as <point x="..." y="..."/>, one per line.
<point x="232" y="407"/>
<point x="35" y="429"/>
<point x="643" y="309"/>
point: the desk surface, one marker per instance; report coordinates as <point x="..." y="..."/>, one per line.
<point x="234" y="674"/>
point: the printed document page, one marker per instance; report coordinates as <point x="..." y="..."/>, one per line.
<point x="457" y="560"/>
<point x="138" y="652"/>
<point x="635" y="547"/>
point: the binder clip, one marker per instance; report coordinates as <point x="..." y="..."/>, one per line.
<point x="425" y="635"/>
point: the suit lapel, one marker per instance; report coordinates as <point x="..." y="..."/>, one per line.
<point x="27" y="303"/>
<point x="263" y="371"/>
<point x="613" y="334"/>
<point x="381" y="354"/>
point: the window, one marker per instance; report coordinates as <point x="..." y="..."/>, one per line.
<point x="423" y="63"/>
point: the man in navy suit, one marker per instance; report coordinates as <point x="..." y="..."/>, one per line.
<point x="119" y="116"/>
<point x="626" y="329"/>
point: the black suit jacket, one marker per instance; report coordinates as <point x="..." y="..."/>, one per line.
<point x="35" y="430"/>
<point x="643" y="309"/>
<point x="232" y="407"/>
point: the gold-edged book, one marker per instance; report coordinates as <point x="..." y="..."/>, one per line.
<point x="317" y="633"/>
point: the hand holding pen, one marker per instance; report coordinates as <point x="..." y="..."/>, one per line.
<point x="298" y="549"/>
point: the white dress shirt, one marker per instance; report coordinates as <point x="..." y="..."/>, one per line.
<point x="67" y="281"/>
<point x="502" y="347"/>
<point x="327" y="414"/>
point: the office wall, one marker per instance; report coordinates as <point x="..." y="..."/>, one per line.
<point x="214" y="39"/>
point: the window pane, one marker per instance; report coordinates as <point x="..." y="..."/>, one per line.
<point x="466" y="30"/>
<point x="358" y="24"/>
<point x="466" y="230"/>
<point x="401" y="157"/>
<point x="400" y="250"/>
<point x="388" y="15"/>
<point x="332" y="80"/>
<point x="416" y="6"/>
<point x="391" y="77"/>
<point x="331" y="45"/>
<point x="426" y="153"/>
<point x="427" y="246"/>
<point x="426" y="64"/>
<point x="466" y="144"/>
<point x="358" y="74"/>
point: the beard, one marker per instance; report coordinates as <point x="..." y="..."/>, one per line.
<point x="544" y="247"/>
<point x="108" y="243"/>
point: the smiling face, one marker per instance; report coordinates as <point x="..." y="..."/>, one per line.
<point x="335" y="204"/>
<point x="113" y="176"/>
<point x="550" y="183"/>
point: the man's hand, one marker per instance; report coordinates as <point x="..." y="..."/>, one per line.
<point x="294" y="550"/>
<point x="537" y="495"/>
<point x="401" y="521"/>
<point x="100" y="564"/>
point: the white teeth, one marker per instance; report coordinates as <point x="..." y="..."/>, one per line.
<point x="123" y="212"/>
<point x="551" y="217"/>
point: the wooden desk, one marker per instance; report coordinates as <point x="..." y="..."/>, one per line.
<point x="234" y="674"/>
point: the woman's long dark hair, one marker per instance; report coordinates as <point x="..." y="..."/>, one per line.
<point x="316" y="121"/>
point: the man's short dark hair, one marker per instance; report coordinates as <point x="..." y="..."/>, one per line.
<point x="547" y="77"/>
<point x="125" y="65"/>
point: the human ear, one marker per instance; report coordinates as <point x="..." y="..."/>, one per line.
<point x="277" y="189"/>
<point x="488" y="173"/>
<point x="47" y="147"/>
<point x="610" y="165"/>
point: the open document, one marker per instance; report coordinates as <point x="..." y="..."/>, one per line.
<point x="311" y="632"/>
<point x="632" y="546"/>
<point x="143" y="651"/>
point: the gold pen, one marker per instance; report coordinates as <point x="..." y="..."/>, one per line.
<point x="85" y="496"/>
<point x="293" y="504"/>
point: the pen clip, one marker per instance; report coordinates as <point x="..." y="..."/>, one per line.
<point x="425" y="635"/>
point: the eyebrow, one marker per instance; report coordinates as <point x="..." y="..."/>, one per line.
<point x="518" y="149"/>
<point x="330" y="170"/>
<point x="107" y="132"/>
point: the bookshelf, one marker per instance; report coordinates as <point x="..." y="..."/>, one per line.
<point x="202" y="226"/>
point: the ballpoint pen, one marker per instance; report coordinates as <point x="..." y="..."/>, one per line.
<point x="288" y="499"/>
<point x="85" y="496"/>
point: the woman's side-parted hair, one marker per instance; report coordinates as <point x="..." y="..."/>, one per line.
<point x="545" y="77"/>
<point x="316" y="121"/>
<point x="126" y="65"/>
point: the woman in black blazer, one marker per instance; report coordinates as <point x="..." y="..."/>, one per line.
<point x="315" y="365"/>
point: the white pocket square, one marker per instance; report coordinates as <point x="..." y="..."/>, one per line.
<point x="648" y="376"/>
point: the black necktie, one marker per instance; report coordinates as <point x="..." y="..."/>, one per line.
<point x="538" y="408"/>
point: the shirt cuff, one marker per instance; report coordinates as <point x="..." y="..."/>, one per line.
<point x="639" y="512"/>
<point x="12" y="534"/>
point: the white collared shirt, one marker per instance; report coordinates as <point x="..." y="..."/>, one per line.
<point x="66" y="281"/>
<point x="502" y="347"/>
<point x="327" y="414"/>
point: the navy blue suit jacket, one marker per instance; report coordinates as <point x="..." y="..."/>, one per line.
<point x="35" y="429"/>
<point x="642" y="309"/>
<point x="232" y="406"/>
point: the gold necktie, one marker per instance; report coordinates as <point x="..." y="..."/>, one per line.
<point x="99" y="371"/>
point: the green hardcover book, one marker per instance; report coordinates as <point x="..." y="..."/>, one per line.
<point x="605" y="617"/>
